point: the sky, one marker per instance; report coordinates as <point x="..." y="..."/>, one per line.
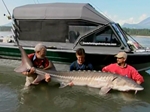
<point x="120" y="11"/>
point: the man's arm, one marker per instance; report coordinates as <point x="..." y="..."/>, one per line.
<point x="137" y="77"/>
<point x="49" y="65"/>
<point x="106" y="68"/>
<point x="90" y="66"/>
<point x="72" y="66"/>
<point x="29" y="72"/>
<point x="112" y="68"/>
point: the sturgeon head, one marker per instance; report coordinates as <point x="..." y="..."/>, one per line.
<point x="122" y="83"/>
<point x="25" y="62"/>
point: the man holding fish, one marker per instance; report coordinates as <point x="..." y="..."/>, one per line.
<point x="39" y="60"/>
<point x="100" y="80"/>
<point x="122" y="68"/>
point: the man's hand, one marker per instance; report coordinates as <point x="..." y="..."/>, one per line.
<point x="47" y="77"/>
<point x="32" y="70"/>
<point x="71" y="84"/>
<point x="29" y="72"/>
<point x="138" y="82"/>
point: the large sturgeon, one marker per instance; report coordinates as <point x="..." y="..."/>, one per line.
<point x="102" y="80"/>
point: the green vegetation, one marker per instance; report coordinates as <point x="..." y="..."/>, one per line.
<point x="143" y="32"/>
<point x="5" y="28"/>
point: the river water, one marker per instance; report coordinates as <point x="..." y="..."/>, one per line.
<point x="50" y="98"/>
<point x="5" y="33"/>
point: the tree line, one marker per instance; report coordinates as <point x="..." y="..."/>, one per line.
<point x="142" y="32"/>
<point x="5" y="28"/>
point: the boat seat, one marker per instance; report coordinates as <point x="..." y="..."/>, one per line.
<point x="7" y="40"/>
<point x="73" y="36"/>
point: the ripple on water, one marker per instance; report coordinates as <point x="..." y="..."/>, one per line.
<point x="83" y="99"/>
<point x="70" y="99"/>
<point x="9" y="63"/>
<point x="8" y="99"/>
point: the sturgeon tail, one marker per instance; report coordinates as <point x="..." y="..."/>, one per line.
<point x="26" y="63"/>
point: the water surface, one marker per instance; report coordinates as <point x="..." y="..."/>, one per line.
<point x="49" y="97"/>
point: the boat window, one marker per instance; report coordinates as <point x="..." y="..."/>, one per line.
<point x="51" y="30"/>
<point x="75" y="31"/>
<point x="105" y="37"/>
<point x="43" y="30"/>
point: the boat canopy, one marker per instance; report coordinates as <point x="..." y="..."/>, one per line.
<point x="69" y="11"/>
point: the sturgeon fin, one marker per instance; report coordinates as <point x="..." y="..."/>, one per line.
<point x="21" y="68"/>
<point x="135" y="92"/>
<point x="38" y="79"/>
<point x="105" y="90"/>
<point x="25" y="61"/>
<point x="63" y="84"/>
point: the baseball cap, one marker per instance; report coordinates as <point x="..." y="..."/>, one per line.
<point x="121" y="55"/>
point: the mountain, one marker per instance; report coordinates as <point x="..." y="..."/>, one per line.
<point x="8" y="24"/>
<point x="6" y="27"/>
<point x="145" y="24"/>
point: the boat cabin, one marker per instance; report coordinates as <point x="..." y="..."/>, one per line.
<point x="64" y="27"/>
<point x="75" y="23"/>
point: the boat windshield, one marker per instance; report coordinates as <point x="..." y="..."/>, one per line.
<point x="127" y="39"/>
<point x="131" y="41"/>
<point x="120" y="34"/>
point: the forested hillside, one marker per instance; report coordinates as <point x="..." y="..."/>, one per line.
<point x="143" y="32"/>
<point x="5" y="28"/>
<point x="144" y="24"/>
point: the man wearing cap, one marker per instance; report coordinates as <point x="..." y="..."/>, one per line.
<point x="122" y="68"/>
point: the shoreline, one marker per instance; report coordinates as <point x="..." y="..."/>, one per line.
<point x="140" y="36"/>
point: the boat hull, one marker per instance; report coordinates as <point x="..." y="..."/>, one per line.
<point x="140" y="62"/>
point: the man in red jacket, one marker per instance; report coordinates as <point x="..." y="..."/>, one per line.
<point x="39" y="60"/>
<point x="122" y="68"/>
